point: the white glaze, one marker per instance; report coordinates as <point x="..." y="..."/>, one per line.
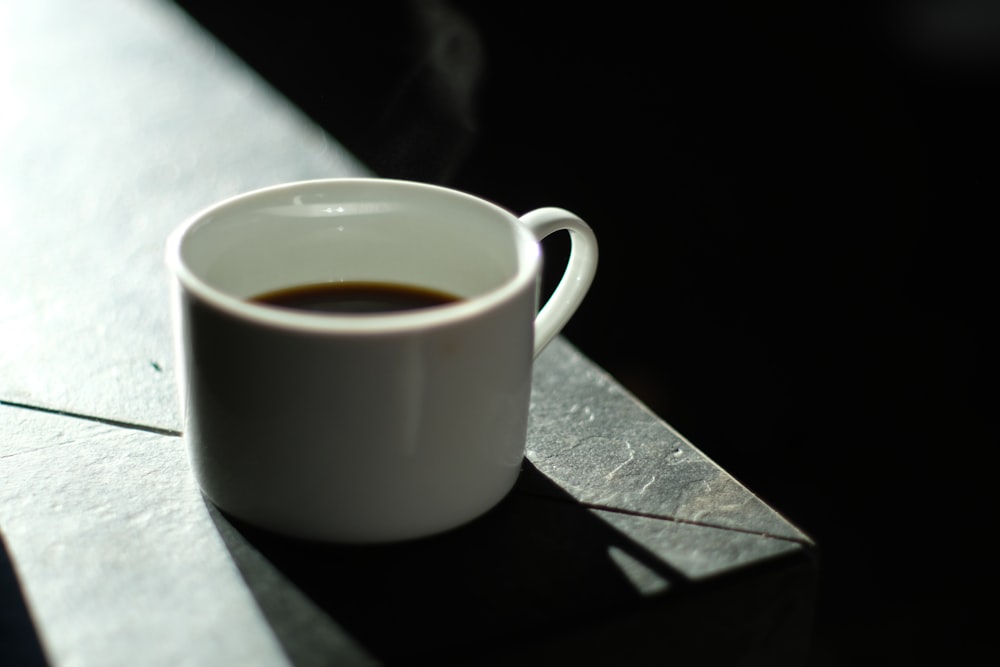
<point x="363" y="428"/>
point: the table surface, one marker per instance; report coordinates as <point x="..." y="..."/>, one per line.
<point x="121" y="118"/>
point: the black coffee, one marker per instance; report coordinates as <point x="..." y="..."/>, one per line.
<point x="355" y="297"/>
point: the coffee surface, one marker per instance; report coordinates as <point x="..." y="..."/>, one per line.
<point x="354" y="297"/>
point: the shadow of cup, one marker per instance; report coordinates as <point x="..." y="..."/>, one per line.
<point x="536" y="564"/>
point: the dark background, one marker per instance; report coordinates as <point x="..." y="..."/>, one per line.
<point x="796" y="206"/>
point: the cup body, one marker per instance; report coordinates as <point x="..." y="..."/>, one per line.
<point x="355" y="428"/>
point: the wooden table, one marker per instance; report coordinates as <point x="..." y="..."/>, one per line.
<point x="622" y="543"/>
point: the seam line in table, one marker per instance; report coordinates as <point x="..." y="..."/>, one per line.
<point x="93" y="418"/>
<point x="701" y="524"/>
<point x="618" y="510"/>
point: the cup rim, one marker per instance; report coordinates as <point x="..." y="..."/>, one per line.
<point x="528" y="250"/>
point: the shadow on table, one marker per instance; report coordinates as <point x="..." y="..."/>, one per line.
<point x="19" y="643"/>
<point x="530" y="569"/>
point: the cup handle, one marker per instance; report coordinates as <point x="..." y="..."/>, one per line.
<point x="576" y="279"/>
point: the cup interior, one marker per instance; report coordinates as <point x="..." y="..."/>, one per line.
<point x="370" y="230"/>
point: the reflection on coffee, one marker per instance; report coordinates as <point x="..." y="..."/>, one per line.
<point x="354" y="297"/>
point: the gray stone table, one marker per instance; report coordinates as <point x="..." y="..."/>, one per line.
<point x="621" y="544"/>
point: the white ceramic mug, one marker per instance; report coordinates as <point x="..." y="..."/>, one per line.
<point x="363" y="427"/>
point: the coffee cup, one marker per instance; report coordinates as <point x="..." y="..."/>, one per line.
<point x="355" y="355"/>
